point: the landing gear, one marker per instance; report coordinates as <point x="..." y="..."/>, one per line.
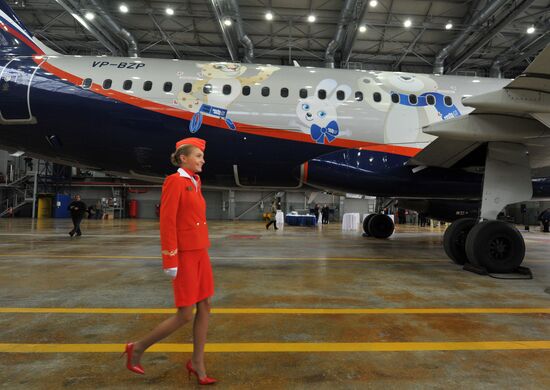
<point x="493" y="245"/>
<point x="496" y="246"/>
<point x="454" y="240"/>
<point x="366" y="225"/>
<point x="378" y="226"/>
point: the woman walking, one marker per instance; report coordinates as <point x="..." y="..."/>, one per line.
<point x="184" y="241"/>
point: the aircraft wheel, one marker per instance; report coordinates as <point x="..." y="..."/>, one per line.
<point x="498" y="246"/>
<point x="366" y="224"/>
<point x="380" y="226"/>
<point x="454" y="239"/>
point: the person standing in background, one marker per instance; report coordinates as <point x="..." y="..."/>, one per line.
<point x="544" y="217"/>
<point x="324" y="213"/>
<point x="77" y="209"/>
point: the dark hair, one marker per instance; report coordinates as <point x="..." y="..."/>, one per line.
<point x="184" y="150"/>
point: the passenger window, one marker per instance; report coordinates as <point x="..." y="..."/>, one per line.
<point x="284" y="92"/>
<point x="148" y="85"/>
<point x="322" y="94"/>
<point x="430" y="99"/>
<point x="303" y="93"/>
<point x="448" y="101"/>
<point x="167" y="86"/>
<point x="127" y="85"/>
<point x="413" y="99"/>
<point x="207" y="89"/>
<point x="395" y="98"/>
<point x="187" y="87"/>
<point x="340" y="95"/>
<point x="377" y="97"/>
<point x="265" y="91"/>
<point x="359" y="96"/>
<point x="227" y="89"/>
<point x="246" y="90"/>
<point x="86" y="83"/>
<point x="107" y="84"/>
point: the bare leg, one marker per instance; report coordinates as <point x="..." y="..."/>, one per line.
<point x="164" y="329"/>
<point x="200" y="329"/>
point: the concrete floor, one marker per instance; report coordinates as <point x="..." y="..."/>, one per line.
<point x="256" y="344"/>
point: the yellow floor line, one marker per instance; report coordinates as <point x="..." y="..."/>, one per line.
<point x="365" y="259"/>
<point x="286" y="347"/>
<point x="452" y="310"/>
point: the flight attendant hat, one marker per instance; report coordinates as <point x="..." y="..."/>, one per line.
<point x="199" y="143"/>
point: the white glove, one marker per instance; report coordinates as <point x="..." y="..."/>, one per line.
<point x="172" y="272"/>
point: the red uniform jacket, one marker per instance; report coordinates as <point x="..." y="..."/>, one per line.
<point x="182" y="217"/>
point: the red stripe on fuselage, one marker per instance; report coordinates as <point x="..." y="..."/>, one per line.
<point x="21" y="37"/>
<point x="220" y="123"/>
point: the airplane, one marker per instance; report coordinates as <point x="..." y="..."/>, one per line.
<point x="456" y="148"/>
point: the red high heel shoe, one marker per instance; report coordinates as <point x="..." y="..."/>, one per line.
<point x="205" y="381"/>
<point x="129" y="351"/>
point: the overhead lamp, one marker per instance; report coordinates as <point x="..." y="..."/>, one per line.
<point x="362" y="28"/>
<point x="227" y="21"/>
<point x="89" y="15"/>
<point x="408" y="23"/>
<point x="169" y="11"/>
<point x="269" y="15"/>
<point x="449" y="25"/>
<point x="123" y="8"/>
<point x="531" y="30"/>
<point x="373" y="3"/>
<point x="311" y="18"/>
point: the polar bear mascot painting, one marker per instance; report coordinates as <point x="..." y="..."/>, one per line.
<point x="318" y="114"/>
<point x="410" y="102"/>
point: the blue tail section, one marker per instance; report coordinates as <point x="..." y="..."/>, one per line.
<point x="15" y="39"/>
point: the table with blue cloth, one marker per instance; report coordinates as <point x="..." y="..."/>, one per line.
<point x="300" y="220"/>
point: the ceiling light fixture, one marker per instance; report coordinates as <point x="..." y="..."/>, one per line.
<point x="311" y="18"/>
<point x="362" y="28"/>
<point x="169" y="11"/>
<point x="89" y="15"/>
<point x="373" y="3"/>
<point x="449" y="25"/>
<point x="269" y="15"/>
<point x="227" y="22"/>
<point x="407" y="23"/>
<point x="531" y="30"/>
<point x="124" y="8"/>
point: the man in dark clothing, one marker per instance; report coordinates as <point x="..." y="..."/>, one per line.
<point x="77" y="209"/>
<point x="544" y="217"/>
<point x="324" y="213"/>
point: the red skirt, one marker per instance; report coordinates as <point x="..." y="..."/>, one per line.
<point x="194" y="281"/>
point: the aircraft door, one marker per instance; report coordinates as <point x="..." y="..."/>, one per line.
<point x="15" y="83"/>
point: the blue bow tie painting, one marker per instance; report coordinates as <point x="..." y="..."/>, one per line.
<point x="330" y="132"/>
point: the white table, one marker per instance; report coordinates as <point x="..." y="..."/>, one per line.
<point x="350" y="221"/>
<point x="280" y="219"/>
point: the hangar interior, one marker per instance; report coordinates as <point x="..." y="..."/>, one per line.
<point x="303" y="307"/>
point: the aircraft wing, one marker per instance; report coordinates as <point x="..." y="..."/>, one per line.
<point x="517" y="113"/>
